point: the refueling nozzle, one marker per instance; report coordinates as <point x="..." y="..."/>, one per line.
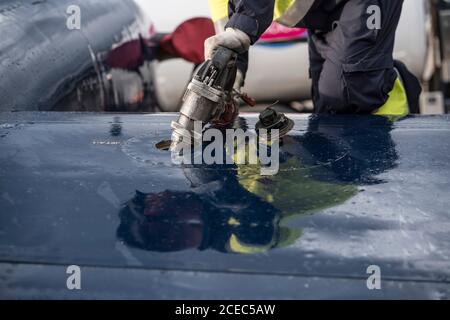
<point x="206" y="96"/>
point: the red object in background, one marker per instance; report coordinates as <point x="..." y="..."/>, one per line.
<point x="280" y="33"/>
<point x="187" y="41"/>
<point x="127" y="56"/>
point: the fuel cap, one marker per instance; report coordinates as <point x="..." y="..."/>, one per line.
<point x="270" y="119"/>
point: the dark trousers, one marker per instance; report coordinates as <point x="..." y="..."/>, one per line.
<point x="351" y="65"/>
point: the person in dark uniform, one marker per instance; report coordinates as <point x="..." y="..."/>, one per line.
<point x="351" y="45"/>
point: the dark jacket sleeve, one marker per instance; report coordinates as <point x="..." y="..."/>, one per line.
<point x="251" y="16"/>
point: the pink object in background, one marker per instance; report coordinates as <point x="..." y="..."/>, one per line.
<point x="280" y="33"/>
<point x="152" y="30"/>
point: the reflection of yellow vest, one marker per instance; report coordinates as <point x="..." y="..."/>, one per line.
<point x="291" y="191"/>
<point x="219" y="8"/>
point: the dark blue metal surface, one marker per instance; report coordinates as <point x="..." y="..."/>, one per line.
<point x="92" y="190"/>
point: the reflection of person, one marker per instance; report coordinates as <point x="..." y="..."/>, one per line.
<point x="322" y="168"/>
<point x="363" y="145"/>
<point x="351" y="64"/>
<point x="218" y="214"/>
<point x="236" y="210"/>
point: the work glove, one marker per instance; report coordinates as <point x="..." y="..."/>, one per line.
<point x="231" y="109"/>
<point x="237" y="86"/>
<point x="233" y="39"/>
<point x="239" y="82"/>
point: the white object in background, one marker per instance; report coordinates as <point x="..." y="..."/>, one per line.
<point x="276" y="73"/>
<point x="411" y="43"/>
<point x="432" y="103"/>
<point x="168" y="14"/>
<point x="172" y="77"/>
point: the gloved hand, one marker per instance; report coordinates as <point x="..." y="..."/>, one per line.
<point x="239" y="82"/>
<point x="233" y="39"/>
<point x="232" y="106"/>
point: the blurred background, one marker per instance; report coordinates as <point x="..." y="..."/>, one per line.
<point x="279" y="71"/>
<point x="125" y="56"/>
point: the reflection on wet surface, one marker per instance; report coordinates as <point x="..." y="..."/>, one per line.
<point x="116" y="127"/>
<point x="236" y="210"/>
<point x="350" y="192"/>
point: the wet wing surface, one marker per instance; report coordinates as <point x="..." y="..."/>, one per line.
<point x="93" y="190"/>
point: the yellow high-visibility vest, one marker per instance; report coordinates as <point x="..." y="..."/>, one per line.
<point x="397" y="104"/>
